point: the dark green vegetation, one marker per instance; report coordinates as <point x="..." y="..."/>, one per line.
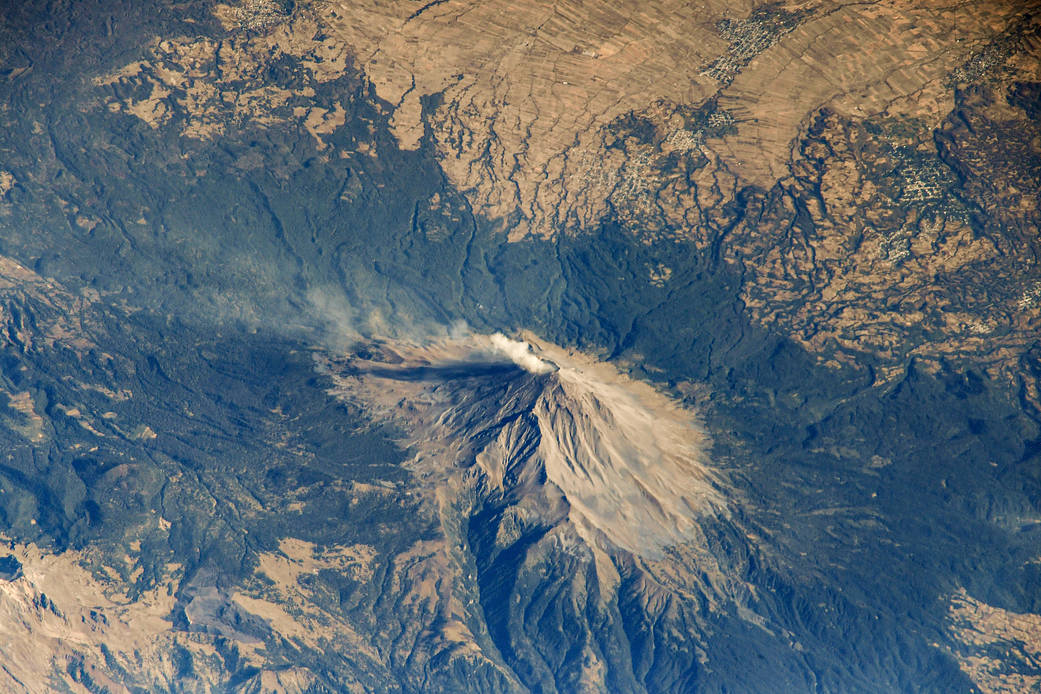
<point x="871" y="504"/>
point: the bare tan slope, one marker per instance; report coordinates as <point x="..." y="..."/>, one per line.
<point x="526" y="89"/>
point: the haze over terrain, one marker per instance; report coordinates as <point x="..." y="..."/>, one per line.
<point x="524" y="346"/>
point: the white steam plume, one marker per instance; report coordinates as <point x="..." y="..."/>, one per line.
<point x="520" y="353"/>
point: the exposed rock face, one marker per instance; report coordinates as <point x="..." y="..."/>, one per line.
<point x="781" y="397"/>
<point x="626" y="466"/>
<point x="551" y="468"/>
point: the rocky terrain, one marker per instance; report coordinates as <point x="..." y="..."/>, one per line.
<point x="521" y="347"/>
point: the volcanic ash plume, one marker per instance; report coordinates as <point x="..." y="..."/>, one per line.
<point x="630" y="463"/>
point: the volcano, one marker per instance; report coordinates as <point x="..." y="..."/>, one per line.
<point x="630" y="464"/>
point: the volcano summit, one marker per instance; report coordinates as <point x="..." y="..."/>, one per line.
<point x="775" y="425"/>
<point x="629" y="463"/>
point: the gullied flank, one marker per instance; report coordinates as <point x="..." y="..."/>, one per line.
<point x="630" y="463"/>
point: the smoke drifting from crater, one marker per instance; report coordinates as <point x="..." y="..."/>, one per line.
<point x="520" y="353"/>
<point x="631" y="463"/>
